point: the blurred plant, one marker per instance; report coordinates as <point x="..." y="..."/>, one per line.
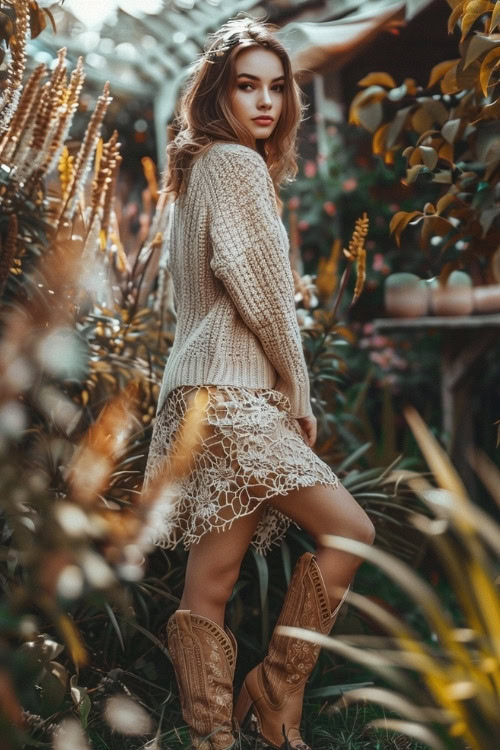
<point x="449" y="135"/>
<point x="453" y="699"/>
<point x="19" y="20"/>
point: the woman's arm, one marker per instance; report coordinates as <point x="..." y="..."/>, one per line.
<point x="250" y="257"/>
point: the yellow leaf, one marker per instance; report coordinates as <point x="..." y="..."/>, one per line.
<point x="400" y="221"/>
<point x="455" y="15"/>
<point x="449" y="83"/>
<point x="495" y="17"/>
<point x="327" y="277"/>
<point x="363" y="99"/>
<point x="413" y="173"/>
<point x="475" y="9"/>
<point x="489" y="112"/>
<point x="415" y="158"/>
<point x="73" y="641"/>
<point x="378" y="141"/>
<point x="379" y="79"/>
<point x="488" y="65"/>
<point x="440" y="70"/>
<point x="444" y="202"/>
<point x="411" y="86"/>
<point x="435" y="456"/>
<point x="446" y="152"/>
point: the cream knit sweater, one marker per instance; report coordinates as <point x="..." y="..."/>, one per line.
<point x="233" y="284"/>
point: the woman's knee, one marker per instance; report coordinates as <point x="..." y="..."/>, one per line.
<point x="214" y="581"/>
<point x="349" y="519"/>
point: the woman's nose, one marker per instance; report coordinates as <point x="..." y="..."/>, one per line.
<point x="265" y="97"/>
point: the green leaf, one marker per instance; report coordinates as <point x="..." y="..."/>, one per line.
<point x="263" y="575"/>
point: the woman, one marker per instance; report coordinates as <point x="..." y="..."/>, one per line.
<point x="238" y="346"/>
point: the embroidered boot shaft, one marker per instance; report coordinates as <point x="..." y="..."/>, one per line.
<point x="272" y="694"/>
<point x="204" y="659"/>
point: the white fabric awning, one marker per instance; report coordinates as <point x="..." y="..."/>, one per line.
<point x="331" y="44"/>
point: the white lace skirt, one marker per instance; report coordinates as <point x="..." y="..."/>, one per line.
<point x="251" y="449"/>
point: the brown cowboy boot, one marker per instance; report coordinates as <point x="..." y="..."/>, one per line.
<point x="272" y="693"/>
<point x="204" y="659"/>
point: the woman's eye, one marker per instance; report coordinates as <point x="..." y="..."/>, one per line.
<point x="279" y="87"/>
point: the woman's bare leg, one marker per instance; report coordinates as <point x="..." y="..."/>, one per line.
<point x="324" y="510"/>
<point x="213" y="567"/>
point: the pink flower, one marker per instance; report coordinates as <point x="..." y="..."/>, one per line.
<point x="332" y="130"/>
<point x="302" y="225"/>
<point x="380" y="359"/>
<point x="330" y="208"/>
<point x="370" y="244"/>
<point x="368" y="329"/>
<point x="380" y="341"/>
<point x="379" y="263"/>
<point x="310" y="169"/>
<point x="294" y="203"/>
<point x="394" y="207"/>
<point x="350" y="184"/>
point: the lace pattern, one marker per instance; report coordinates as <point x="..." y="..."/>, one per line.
<point x="251" y="449"/>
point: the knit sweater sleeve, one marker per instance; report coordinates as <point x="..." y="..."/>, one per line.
<point x="250" y="257"/>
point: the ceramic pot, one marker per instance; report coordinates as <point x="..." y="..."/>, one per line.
<point x="487" y="298"/>
<point x="455" y="297"/>
<point x="405" y="296"/>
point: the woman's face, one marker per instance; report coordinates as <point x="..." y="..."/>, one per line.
<point x="258" y="90"/>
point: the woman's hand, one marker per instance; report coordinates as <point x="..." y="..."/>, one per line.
<point x="309" y="426"/>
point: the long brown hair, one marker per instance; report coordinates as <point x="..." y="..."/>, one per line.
<point x="203" y="112"/>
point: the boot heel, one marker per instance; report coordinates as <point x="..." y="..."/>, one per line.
<point x="243" y="705"/>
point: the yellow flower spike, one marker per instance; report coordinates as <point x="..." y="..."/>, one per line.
<point x="149" y="169"/>
<point x="98" y="157"/>
<point x="360" y="274"/>
<point x="65" y="169"/>
<point x="121" y="258"/>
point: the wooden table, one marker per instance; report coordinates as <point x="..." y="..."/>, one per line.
<point x="465" y="340"/>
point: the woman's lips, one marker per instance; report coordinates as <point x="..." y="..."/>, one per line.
<point x="263" y="120"/>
